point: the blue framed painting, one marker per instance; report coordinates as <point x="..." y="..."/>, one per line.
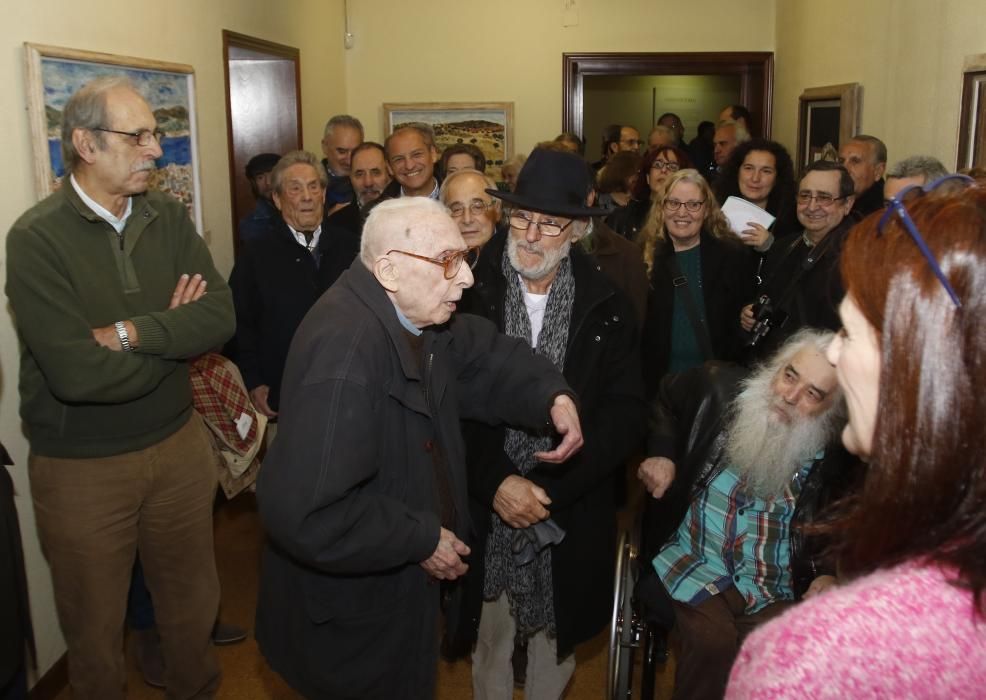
<point x="55" y="73"/>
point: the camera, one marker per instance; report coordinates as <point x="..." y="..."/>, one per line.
<point x="765" y="318"/>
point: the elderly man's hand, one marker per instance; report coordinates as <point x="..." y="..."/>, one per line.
<point x="258" y="395"/>
<point x="520" y="502"/>
<point x="446" y="562"/>
<point x="820" y="585"/>
<point x="657" y="473"/>
<point x="187" y="290"/>
<point x="565" y="418"/>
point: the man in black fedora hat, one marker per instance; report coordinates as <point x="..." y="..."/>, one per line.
<point x="542" y="559"/>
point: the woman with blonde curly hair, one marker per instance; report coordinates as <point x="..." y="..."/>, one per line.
<point x="700" y="274"/>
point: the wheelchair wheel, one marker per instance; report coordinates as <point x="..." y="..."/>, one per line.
<point x="627" y="631"/>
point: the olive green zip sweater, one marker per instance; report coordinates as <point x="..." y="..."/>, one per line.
<point x="69" y="272"/>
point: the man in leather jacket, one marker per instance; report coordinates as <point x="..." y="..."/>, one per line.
<point x="741" y="462"/>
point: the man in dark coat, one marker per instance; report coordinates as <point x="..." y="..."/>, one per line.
<point x="280" y="275"/>
<point x="363" y="493"/>
<point x="801" y="276"/>
<point x="545" y="546"/>
<point x="740" y="462"/>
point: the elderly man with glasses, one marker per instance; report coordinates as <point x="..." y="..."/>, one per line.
<point x="107" y="281"/>
<point x="544" y="551"/>
<point x="801" y="285"/>
<point x="476" y="213"/>
<point x="363" y="493"/>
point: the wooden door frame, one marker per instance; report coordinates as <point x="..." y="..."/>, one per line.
<point x="755" y="70"/>
<point x="244" y="41"/>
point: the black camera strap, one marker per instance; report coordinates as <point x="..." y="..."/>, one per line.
<point x="679" y="280"/>
<point x="815" y="254"/>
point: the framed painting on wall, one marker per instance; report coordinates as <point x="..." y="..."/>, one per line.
<point x="972" y="119"/>
<point x="827" y="117"/>
<point x="488" y="125"/>
<point x="55" y="73"/>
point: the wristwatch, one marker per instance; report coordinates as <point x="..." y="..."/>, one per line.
<point x="121" y="332"/>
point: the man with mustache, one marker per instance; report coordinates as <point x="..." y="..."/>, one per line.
<point x="370" y="176"/>
<point x="363" y="493"/>
<point x="108" y="281"/>
<point x="279" y="276"/>
<point x="543" y="555"/>
<point x="741" y="461"/>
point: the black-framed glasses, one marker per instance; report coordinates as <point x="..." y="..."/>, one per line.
<point x="896" y="206"/>
<point x="141" y="137"/>
<point x="824" y="199"/>
<point x="665" y="165"/>
<point x="691" y="205"/>
<point x="522" y="222"/>
<point x="450" y="263"/>
<point x="477" y="207"/>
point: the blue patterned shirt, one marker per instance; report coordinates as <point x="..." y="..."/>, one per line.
<point x="729" y="538"/>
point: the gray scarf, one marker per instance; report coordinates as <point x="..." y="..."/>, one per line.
<point x="529" y="587"/>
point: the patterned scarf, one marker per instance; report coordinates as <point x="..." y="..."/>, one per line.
<point x="529" y="587"/>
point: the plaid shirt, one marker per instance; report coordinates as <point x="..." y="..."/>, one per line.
<point x="729" y="538"/>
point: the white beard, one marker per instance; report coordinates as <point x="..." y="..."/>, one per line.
<point x="765" y="451"/>
<point x="550" y="259"/>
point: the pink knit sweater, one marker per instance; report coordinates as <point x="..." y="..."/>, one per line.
<point x="903" y="632"/>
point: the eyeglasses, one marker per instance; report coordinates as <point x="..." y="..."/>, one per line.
<point x="823" y="199"/>
<point x="449" y="262"/>
<point x="141" y="137"/>
<point x="477" y="207"/>
<point x="665" y="165"/>
<point x="691" y="205"/>
<point x="522" y="222"/>
<point x="896" y="206"/>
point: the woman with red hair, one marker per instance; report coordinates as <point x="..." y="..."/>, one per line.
<point x="911" y="359"/>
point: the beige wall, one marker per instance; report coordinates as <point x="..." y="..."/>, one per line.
<point x="181" y="31"/>
<point x="907" y="55"/>
<point x="464" y="50"/>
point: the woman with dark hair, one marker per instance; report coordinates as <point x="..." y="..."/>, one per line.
<point x="700" y="274"/>
<point x="761" y="172"/>
<point x="460" y="156"/>
<point x="656" y="167"/>
<point x="911" y="359"/>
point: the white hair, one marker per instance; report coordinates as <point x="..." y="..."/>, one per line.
<point x="761" y="449"/>
<point x="394" y="222"/>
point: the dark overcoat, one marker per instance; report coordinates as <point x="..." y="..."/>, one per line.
<point x="348" y="493"/>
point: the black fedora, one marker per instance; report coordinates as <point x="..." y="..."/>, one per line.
<point x="553" y="182"/>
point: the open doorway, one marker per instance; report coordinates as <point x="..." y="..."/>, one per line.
<point x="263" y="109"/>
<point x="653" y="83"/>
<point x="638" y="101"/>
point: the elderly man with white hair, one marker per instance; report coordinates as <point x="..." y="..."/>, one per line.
<point x="363" y="494"/>
<point x="741" y="462"/>
<point x="476" y="212"/>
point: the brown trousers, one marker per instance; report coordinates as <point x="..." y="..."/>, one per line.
<point x="92" y="516"/>
<point x="707" y="639"/>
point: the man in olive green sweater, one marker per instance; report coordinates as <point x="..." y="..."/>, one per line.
<point x="108" y="286"/>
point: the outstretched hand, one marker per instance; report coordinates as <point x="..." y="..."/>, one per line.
<point x="565" y="418"/>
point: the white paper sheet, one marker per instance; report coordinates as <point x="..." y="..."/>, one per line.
<point x="739" y="212"/>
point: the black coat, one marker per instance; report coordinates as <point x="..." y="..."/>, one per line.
<point x="687" y="416"/>
<point x="602" y="365"/>
<point x="15" y="616"/>
<point x="349" y="493"/>
<point x="727" y="284"/>
<point x="275" y="281"/>
<point x="816" y="293"/>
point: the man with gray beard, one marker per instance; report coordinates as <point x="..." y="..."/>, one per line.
<point x="741" y="463"/>
<point x="542" y="560"/>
